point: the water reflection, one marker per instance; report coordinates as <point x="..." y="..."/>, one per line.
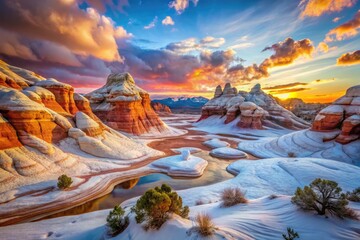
<point x="215" y="172"/>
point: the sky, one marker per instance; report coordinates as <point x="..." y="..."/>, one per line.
<point x="308" y="49"/>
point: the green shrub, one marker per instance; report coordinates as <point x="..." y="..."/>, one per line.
<point x="116" y="221"/>
<point x="232" y="196"/>
<point x="354" y="196"/>
<point x="156" y="204"/>
<point x="291" y="234"/>
<point x="64" y="182"/>
<point x="323" y="196"/>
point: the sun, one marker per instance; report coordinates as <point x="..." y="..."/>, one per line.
<point x="283" y="96"/>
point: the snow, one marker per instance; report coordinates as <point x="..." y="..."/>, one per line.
<point x="227" y="153"/>
<point x="190" y="149"/>
<point x="215" y="124"/>
<point x="83" y="121"/>
<point x="216" y="143"/>
<point x="261" y="218"/>
<point x="305" y="143"/>
<point x="177" y="166"/>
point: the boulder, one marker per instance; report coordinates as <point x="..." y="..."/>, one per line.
<point x="87" y="124"/>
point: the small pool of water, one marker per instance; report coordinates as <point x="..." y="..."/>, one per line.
<point x="215" y="172"/>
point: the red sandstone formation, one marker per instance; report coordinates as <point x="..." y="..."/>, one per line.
<point x="124" y="106"/>
<point x="160" y="108"/>
<point x="64" y="94"/>
<point x="343" y="114"/>
<point x="253" y="110"/>
<point x="29" y="117"/>
<point x="8" y="137"/>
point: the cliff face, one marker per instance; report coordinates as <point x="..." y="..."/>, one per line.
<point x="160" y="108"/>
<point x="254" y="109"/>
<point x="343" y="114"/>
<point x="124" y="106"/>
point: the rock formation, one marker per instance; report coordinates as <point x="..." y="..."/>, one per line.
<point x="255" y="109"/>
<point x="41" y="119"/>
<point x="343" y="114"/>
<point x="335" y="134"/>
<point x="160" y="108"/>
<point x="124" y="106"/>
<point x="301" y="109"/>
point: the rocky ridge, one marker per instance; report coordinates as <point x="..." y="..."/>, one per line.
<point x="254" y="109"/>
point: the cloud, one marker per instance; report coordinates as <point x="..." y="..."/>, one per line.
<point x="335" y="20"/>
<point x="288" y="90"/>
<point x="282" y="86"/>
<point x="351" y="58"/>
<point x="83" y="32"/>
<point x="168" y="21"/>
<point x="181" y="5"/>
<point x="346" y="30"/>
<point x="192" y="44"/>
<point x="242" y="45"/>
<point x="322" y="81"/>
<point x="316" y="8"/>
<point x="322" y="47"/>
<point x="101" y="5"/>
<point x="286" y="53"/>
<point x="152" y="23"/>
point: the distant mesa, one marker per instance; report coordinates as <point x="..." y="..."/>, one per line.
<point x="124" y="106"/>
<point x="254" y="109"/>
<point x="303" y="110"/>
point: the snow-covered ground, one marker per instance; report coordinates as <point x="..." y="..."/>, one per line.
<point x="261" y="218"/>
<point x="215" y="124"/>
<point x="305" y="143"/>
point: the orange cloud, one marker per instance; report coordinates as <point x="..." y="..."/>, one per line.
<point x="349" y="58"/>
<point x="288" y="90"/>
<point x="282" y="86"/>
<point x="346" y="30"/>
<point x="83" y="32"/>
<point x="286" y="53"/>
<point x="323" y="47"/>
<point x="316" y="8"/>
<point x="181" y="5"/>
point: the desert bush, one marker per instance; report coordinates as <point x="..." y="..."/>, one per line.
<point x="199" y="202"/>
<point x="323" y="196"/>
<point x="291" y="154"/>
<point x="232" y="196"/>
<point x="116" y="221"/>
<point x="354" y="196"/>
<point x="156" y="204"/>
<point x="64" y="182"/>
<point x="204" y="224"/>
<point x="291" y="234"/>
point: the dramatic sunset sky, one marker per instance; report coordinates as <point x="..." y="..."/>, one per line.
<point x="308" y="49"/>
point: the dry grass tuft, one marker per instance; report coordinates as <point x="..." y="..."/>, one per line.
<point x="205" y="226"/>
<point x="232" y="196"/>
